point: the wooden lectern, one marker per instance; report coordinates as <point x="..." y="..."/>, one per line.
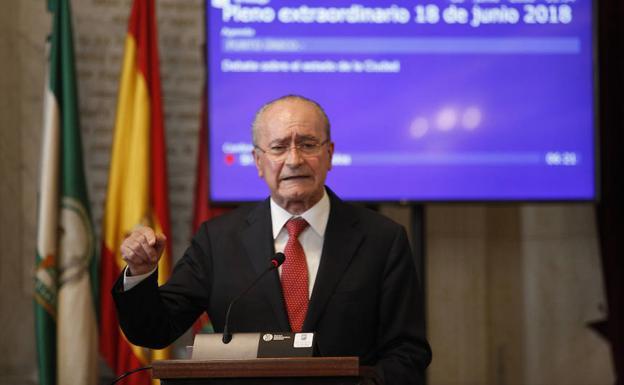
<point x="264" y="371"/>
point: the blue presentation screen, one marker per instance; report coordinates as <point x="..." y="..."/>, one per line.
<point x="457" y="100"/>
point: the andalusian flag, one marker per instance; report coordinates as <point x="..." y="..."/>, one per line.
<point x="65" y="280"/>
<point x="137" y="182"/>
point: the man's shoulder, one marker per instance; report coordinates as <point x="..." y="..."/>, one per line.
<point x="236" y="217"/>
<point x="361" y="215"/>
<point x="372" y="217"/>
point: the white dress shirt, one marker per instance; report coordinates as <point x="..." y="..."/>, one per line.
<point x="311" y="239"/>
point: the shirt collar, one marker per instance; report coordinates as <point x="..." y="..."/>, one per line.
<point x="317" y="216"/>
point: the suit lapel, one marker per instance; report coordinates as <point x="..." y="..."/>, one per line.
<point x="257" y="239"/>
<point x="341" y="242"/>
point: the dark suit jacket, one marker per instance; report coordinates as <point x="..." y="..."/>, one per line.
<point x="365" y="301"/>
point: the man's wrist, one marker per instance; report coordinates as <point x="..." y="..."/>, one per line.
<point x="130" y="280"/>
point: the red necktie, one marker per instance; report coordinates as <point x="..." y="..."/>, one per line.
<point x="295" y="275"/>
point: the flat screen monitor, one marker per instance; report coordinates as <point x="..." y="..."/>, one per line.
<point x="436" y="100"/>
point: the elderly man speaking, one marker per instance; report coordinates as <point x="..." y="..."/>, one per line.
<point x="349" y="274"/>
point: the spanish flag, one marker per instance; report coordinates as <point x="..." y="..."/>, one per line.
<point x="137" y="182"/>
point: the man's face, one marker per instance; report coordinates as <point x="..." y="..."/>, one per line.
<point x="296" y="179"/>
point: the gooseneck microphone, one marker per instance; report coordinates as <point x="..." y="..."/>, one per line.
<point x="276" y="261"/>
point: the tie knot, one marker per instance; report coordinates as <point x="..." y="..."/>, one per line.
<point x="295" y="226"/>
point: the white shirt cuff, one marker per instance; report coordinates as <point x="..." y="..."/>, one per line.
<point x="130" y="281"/>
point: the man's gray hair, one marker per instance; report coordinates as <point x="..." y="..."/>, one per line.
<point x="255" y="127"/>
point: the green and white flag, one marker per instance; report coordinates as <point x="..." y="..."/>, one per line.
<point x="66" y="266"/>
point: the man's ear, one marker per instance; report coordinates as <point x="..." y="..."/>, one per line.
<point x="258" y="162"/>
<point x="330" y="149"/>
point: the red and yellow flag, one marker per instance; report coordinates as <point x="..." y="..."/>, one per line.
<point x="137" y="182"/>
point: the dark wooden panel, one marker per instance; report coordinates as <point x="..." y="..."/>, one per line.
<point x="261" y="367"/>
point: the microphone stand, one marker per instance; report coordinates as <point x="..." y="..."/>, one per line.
<point x="276" y="261"/>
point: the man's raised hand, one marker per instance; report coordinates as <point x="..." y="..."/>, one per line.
<point x="142" y="249"/>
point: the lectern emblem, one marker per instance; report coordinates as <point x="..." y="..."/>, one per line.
<point x="267" y="337"/>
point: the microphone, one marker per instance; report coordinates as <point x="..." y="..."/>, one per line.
<point x="276" y="261"/>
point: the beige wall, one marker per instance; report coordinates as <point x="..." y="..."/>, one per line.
<point x="509" y="287"/>
<point x="23" y="28"/>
